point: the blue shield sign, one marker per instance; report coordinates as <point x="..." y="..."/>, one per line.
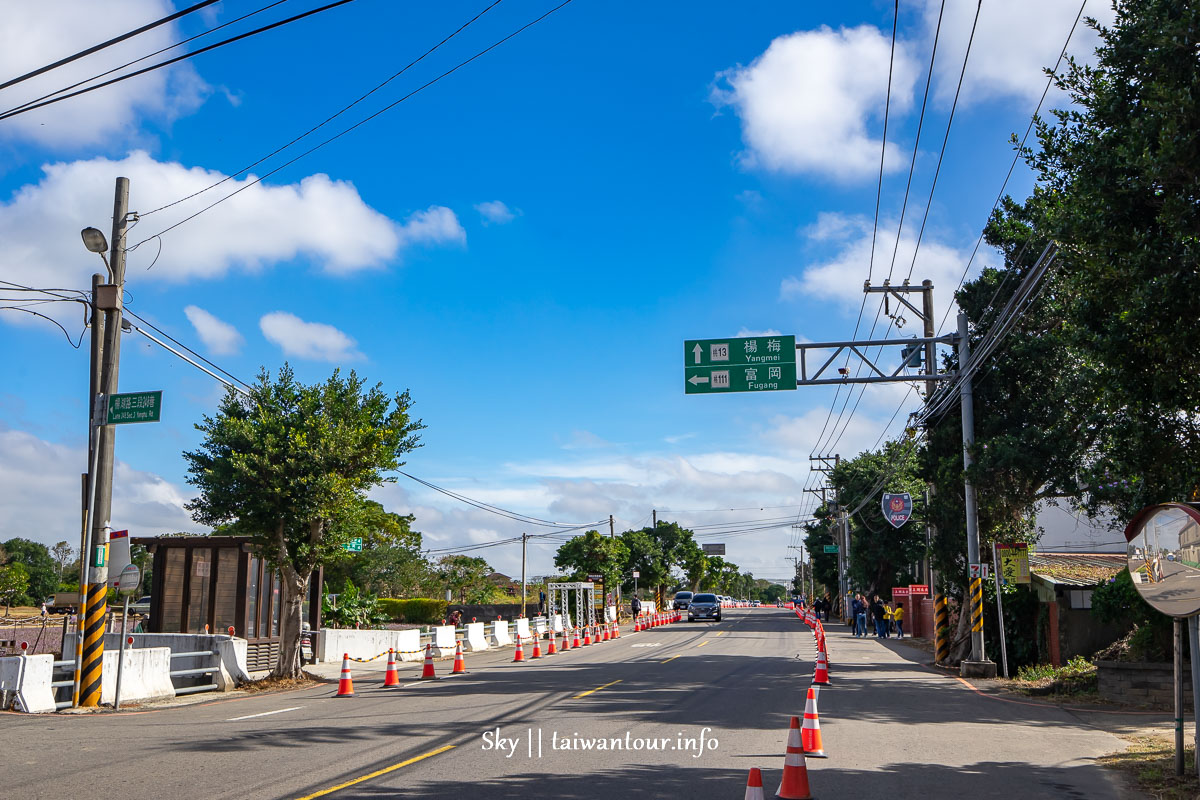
<point x="897" y="508"/>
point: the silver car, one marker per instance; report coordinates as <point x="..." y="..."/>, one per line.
<point x="704" y="606"/>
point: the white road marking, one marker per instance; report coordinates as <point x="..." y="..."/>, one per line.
<point x="647" y="644"/>
<point x="265" y="713"/>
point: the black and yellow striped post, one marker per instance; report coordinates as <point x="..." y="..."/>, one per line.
<point x="976" y="605"/>
<point x="93" y="614"/>
<point x="941" y="630"/>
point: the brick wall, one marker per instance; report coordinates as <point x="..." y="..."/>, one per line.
<point x="1142" y="684"/>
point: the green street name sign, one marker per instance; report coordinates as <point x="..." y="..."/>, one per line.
<point x="831" y="548"/>
<point x="747" y="364"/>
<point x="748" y="350"/>
<point x="354" y="545"/>
<point x="134" y="407"/>
<point x="741" y="378"/>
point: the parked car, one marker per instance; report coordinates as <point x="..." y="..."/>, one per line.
<point x="142" y="606"/>
<point x="680" y="603"/>
<point x="704" y="606"/>
<point x="62" y="603"/>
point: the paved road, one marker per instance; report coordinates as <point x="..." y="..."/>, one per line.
<point x="891" y="728"/>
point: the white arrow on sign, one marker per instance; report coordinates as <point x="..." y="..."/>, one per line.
<point x="697" y="351"/>
<point x="696" y="379"/>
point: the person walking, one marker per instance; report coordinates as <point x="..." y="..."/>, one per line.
<point x="887" y="618"/>
<point x="860" y="619"/>
<point x="877" y="616"/>
<point x="898" y="616"/>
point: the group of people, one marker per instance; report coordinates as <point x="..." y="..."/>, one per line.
<point x="886" y="618"/>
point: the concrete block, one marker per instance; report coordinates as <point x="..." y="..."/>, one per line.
<point x="443" y="640"/>
<point x="522" y="625"/>
<point x="476" y="637"/>
<point x="146" y="676"/>
<point x="28" y="678"/>
<point x="500" y="637"/>
<point x="540" y="626"/>
<point x="556" y="623"/>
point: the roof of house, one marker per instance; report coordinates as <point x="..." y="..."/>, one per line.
<point x="1076" y="569"/>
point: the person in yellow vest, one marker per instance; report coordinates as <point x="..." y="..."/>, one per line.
<point x="898" y="618"/>
<point x="887" y="618"/>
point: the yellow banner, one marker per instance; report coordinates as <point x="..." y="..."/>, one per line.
<point x="1014" y="562"/>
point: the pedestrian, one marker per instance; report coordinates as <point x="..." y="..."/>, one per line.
<point x="898" y="616"/>
<point x="45" y="611"/>
<point x="860" y="615"/>
<point x="877" y="616"/>
<point x="636" y="606"/>
<point x="455" y="617"/>
<point x="888" y="611"/>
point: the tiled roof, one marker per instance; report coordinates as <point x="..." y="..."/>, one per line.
<point x="1076" y="569"/>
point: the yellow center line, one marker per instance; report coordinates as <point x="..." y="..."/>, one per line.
<point x="722" y="633"/>
<point x="589" y="691"/>
<point x="377" y="773"/>
<point x="702" y="643"/>
<point x="672" y="658"/>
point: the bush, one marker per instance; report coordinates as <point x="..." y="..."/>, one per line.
<point x="353" y="608"/>
<point x="415" y="610"/>
<point x="1118" y="601"/>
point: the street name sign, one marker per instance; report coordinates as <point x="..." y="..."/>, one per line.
<point x="739" y="364"/>
<point x="831" y="548"/>
<point x="134" y="407"/>
<point x="713" y="549"/>
<point x="354" y="545"/>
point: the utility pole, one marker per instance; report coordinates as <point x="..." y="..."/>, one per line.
<point x="978" y="666"/>
<point x="524" y="541"/>
<point x="611" y="530"/>
<point x="94" y="606"/>
<point x="654" y="518"/>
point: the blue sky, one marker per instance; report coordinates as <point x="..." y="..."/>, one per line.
<point x="523" y="245"/>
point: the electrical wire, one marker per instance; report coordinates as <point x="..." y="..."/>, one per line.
<point x="116" y="40"/>
<point x="163" y="333"/>
<point x="513" y="515"/>
<point x="363" y="121"/>
<point x="34" y="106"/>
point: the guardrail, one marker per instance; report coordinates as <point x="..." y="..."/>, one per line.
<point x="67" y="665"/>
<point x="183" y="673"/>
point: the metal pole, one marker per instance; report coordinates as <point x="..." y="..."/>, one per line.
<point x="999" y="608"/>
<point x="97" y="557"/>
<point x="968" y="440"/>
<point x="524" y="539"/>
<point x="1179" y="695"/>
<point x="930" y="348"/>
<point x="121" y="657"/>
<point x="1194" y="640"/>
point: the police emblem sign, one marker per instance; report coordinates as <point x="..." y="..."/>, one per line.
<point x="897" y="508"/>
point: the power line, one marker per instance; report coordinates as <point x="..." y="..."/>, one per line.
<point x="360" y="123"/>
<point x="190" y="350"/>
<point x="109" y="43"/>
<point x="513" y="515"/>
<point x="26" y="108"/>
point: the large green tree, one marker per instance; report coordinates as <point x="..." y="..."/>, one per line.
<point x="39" y="564"/>
<point x="594" y="553"/>
<point x="290" y="465"/>
<point x="390" y="564"/>
<point x="466" y="577"/>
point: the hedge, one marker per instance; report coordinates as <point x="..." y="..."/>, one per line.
<point x="416" y="610"/>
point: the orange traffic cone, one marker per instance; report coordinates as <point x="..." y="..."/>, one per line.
<point x="637" y="624"/>
<point x="460" y="666"/>
<point x="587" y="636"/>
<point x="566" y="645"/>
<point x="605" y="633"/>
<point x="520" y="654"/>
<point x="346" y="682"/>
<point x="794" y="785"/>
<point x="537" y="647"/>
<point x="810" y="734"/>
<point x="616" y="630"/>
<point x="575" y="641"/>
<point x="754" y="787"/>
<point x="427" y="672"/>
<point x="391" y="678"/>
<point x="551" y="650"/>
<point x="821" y="676"/>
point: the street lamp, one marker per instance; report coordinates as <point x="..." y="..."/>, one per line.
<point x="93" y="240"/>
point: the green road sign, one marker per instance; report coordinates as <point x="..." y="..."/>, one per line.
<point x="134" y="407"/>
<point x="831" y="548"/>
<point x="747" y="350"/>
<point x="739" y="378"/>
<point x="354" y="545"/>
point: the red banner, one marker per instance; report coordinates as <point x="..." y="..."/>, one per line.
<point x="900" y="591"/>
<point x="918" y="588"/>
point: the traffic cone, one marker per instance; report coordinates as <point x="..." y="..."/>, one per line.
<point x="616" y="630"/>
<point x="346" y="682"/>
<point x="821" y="676"/>
<point x="606" y="634"/>
<point x="460" y="666"/>
<point x="427" y="673"/>
<point x="587" y="636"/>
<point x="391" y="678"/>
<point x="575" y="640"/>
<point x="810" y="734"/>
<point x="754" y="787"/>
<point x="520" y="654"/>
<point x="537" y="647"/>
<point x="637" y="624"/>
<point x="794" y="785"/>
<point x="551" y="650"/>
<point x="566" y="645"/>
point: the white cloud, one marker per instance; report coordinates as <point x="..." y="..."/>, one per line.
<point x="585" y="440"/>
<point x="318" y="218"/>
<point x="840" y="278"/>
<point x="219" y="337"/>
<point x="41" y="483"/>
<point x="312" y="340"/>
<point x="806" y="102"/>
<point x="744" y="332"/>
<point x="34" y="35"/>
<point x="495" y="212"/>
<point x="434" y="225"/>
<point x="1014" y="41"/>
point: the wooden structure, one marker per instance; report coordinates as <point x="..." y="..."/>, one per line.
<point x="218" y="582"/>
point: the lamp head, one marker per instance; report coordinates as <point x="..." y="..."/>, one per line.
<point x="93" y="240"/>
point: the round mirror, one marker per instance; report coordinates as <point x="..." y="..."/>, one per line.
<point x="1164" y="557"/>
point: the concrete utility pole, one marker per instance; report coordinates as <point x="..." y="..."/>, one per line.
<point x="94" y="607"/>
<point x="978" y="666"/>
<point x="612" y="531"/>
<point x="524" y="541"/>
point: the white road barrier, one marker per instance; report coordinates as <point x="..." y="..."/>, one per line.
<point x="476" y="638"/>
<point x="500" y="636"/>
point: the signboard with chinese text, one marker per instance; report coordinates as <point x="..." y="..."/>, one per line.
<point x="134" y="407"/>
<point x="1014" y="562"/>
<point x="746" y="364"/>
<point x="918" y="588"/>
<point x="900" y="591"/>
